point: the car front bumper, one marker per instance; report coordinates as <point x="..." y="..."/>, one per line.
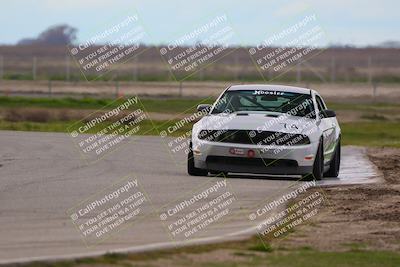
<point x="244" y="158"/>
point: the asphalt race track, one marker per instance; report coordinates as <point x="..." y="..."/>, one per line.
<point x="42" y="176"/>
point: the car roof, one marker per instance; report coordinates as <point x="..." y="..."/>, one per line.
<point x="283" y="88"/>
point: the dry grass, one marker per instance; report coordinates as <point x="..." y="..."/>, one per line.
<point x="350" y="64"/>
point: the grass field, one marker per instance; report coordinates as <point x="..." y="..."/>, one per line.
<point x="374" y="133"/>
<point x="147" y="127"/>
<point x="170" y="105"/>
<point x="374" y="130"/>
<point x="150" y="104"/>
<point x="239" y="254"/>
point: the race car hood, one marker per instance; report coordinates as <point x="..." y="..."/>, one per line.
<point x="256" y="121"/>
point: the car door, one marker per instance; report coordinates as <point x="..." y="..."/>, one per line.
<point x="328" y="127"/>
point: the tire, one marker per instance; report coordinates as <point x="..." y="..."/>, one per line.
<point x="191" y="169"/>
<point x="318" y="167"/>
<point x="334" y="165"/>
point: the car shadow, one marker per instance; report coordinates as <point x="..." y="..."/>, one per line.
<point x="258" y="177"/>
<point x="277" y="177"/>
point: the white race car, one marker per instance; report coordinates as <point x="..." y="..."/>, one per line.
<point x="266" y="129"/>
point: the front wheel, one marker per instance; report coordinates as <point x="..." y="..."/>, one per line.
<point x="318" y="167"/>
<point x="191" y="169"/>
<point x="334" y="165"/>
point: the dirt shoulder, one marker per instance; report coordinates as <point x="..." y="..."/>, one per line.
<point x="366" y="216"/>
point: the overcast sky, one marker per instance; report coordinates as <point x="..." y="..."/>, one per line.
<point x="355" y="22"/>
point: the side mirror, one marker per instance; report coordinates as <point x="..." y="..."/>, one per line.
<point x="328" y="113"/>
<point x="204" y="107"/>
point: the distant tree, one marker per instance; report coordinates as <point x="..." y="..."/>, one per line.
<point x="339" y="45"/>
<point x="390" y="44"/>
<point x="27" y="41"/>
<point x="55" y="35"/>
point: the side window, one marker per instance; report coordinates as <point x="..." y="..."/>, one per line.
<point x="320" y="103"/>
<point x="321" y="106"/>
<point x="222" y="104"/>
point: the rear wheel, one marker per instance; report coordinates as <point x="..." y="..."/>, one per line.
<point x="191" y="169"/>
<point x="334" y="165"/>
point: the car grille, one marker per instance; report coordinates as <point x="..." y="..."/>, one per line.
<point x="255" y="138"/>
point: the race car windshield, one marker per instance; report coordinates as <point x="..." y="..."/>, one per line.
<point x="294" y="104"/>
